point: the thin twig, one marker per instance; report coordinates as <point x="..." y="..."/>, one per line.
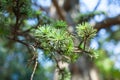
<point x="35" y="67"/>
<point x="98" y="3"/>
<point x="85" y="41"/>
<point x="35" y="57"/>
<point x="17" y="40"/>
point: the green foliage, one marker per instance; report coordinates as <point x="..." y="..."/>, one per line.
<point x="86" y="31"/>
<point x="49" y="35"/>
<point x="54" y="40"/>
<point x="88" y="16"/>
<point x="60" y="24"/>
<point x="5" y="23"/>
<point x="20" y="7"/>
<point x="93" y="53"/>
<point x="107" y="68"/>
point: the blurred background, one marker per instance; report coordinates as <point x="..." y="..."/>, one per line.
<point x="104" y="15"/>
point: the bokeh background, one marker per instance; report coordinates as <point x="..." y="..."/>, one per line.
<point x="101" y="14"/>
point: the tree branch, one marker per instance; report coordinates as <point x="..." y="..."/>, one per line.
<point x="71" y="5"/>
<point x="18" y="41"/>
<point x="98" y="3"/>
<point x="35" y="67"/>
<point x="59" y="10"/>
<point x="107" y="22"/>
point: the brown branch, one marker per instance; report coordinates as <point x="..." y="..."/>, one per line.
<point x="107" y="22"/>
<point x="18" y="41"/>
<point x="16" y="11"/>
<point x="58" y="9"/>
<point x="67" y="5"/>
<point x="70" y="5"/>
<point x="22" y="42"/>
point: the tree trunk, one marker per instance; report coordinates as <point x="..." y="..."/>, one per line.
<point x="83" y="69"/>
